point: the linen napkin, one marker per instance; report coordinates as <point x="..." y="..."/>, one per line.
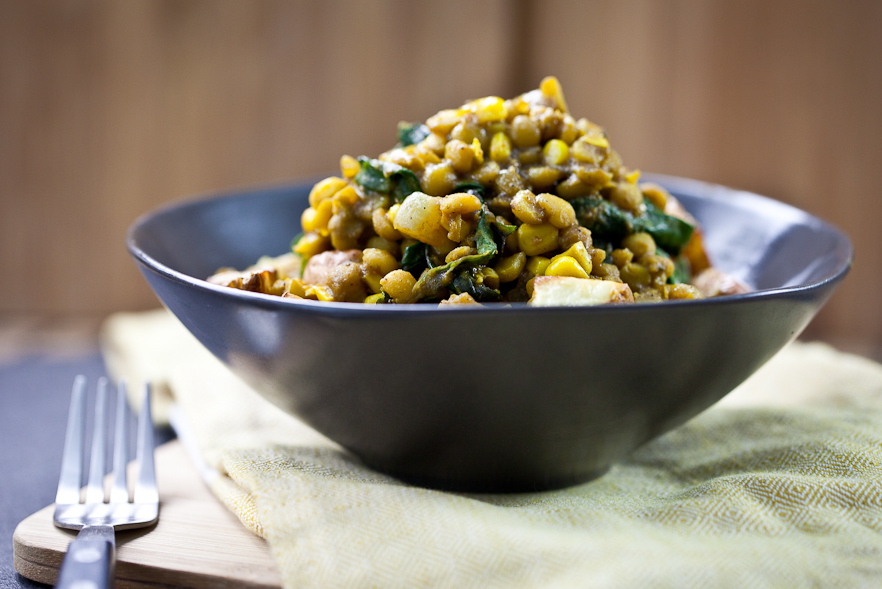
<point x="779" y="485"/>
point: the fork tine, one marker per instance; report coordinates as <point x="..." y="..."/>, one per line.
<point x="145" y="486"/>
<point x="71" y="477"/>
<point x="95" y="485"/>
<point x="119" y="491"/>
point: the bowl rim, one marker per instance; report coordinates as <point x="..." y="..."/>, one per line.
<point x="675" y="184"/>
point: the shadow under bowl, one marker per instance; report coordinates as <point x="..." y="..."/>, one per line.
<point x="496" y="398"/>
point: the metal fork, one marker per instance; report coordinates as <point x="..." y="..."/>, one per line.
<point x="91" y="556"/>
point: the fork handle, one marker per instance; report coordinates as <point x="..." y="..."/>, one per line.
<point x="90" y="559"/>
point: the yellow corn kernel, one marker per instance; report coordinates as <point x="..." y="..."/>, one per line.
<point x="349" y="167"/>
<point x="460" y="155"/>
<point x="322" y="219"/>
<point x="373" y="282"/>
<point x="398" y="284"/>
<point x="681" y="291"/>
<point x="635" y="275"/>
<point x="384" y="244"/>
<point x="556" y="152"/>
<point x="655" y="194"/>
<point x="621" y="256"/>
<point x="487" y="173"/>
<point x="478" y="151"/>
<point x="543" y="177"/>
<point x="462" y="203"/>
<point x="510" y="267"/>
<point x="530" y="156"/>
<point x="375" y="298"/>
<point x="579" y="253"/>
<point x="633" y="177"/>
<point x="307" y="220"/>
<point x="347" y="195"/>
<point x="640" y="243"/>
<point x="295" y="287"/>
<point x="568" y="131"/>
<point x="445" y="120"/>
<point x="500" y="148"/>
<point x="438" y="179"/>
<point x="525" y="132"/>
<point x="572" y="187"/>
<point x="536" y="265"/>
<point x="597" y="140"/>
<point x="377" y="261"/>
<point x="311" y="244"/>
<point x="530" y="287"/>
<point x="594" y="178"/>
<point x="607" y="272"/>
<point x="537" y="239"/>
<point x="381" y="220"/>
<point x="459" y="252"/>
<point x="626" y="196"/>
<point x="489" y="109"/>
<point x="427" y="156"/>
<point x="551" y="87"/>
<point x="325" y="189"/>
<point x="565" y="266"/>
<point x="319" y="292"/>
<point x="559" y="212"/>
<point x="525" y="207"/>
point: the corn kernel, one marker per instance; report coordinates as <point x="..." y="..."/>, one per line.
<point x="681" y="291"/>
<point x="377" y="261"/>
<point x="295" y="287"/>
<point x="439" y="179"/>
<point x="373" y="282"/>
<point x="551" y="87"/>
<point x="311" y="244"/>
<point x="478" y="151"/>
<point x="375" y="298"/>
<point x="384" y="244"/>
<point x="559" y="212"/>
<point x="459" y="252"/>
<point x="579" y="253"/>
<point x="307" y="220"/>
<point x="460" y="155"/>
<point x="346" y="195"/>
<point x="510" y="267"/>
<point x="536" y="265"/>
<point x="621" y="256"/>
<point x="640" y="243"/>
<point x="487" y="173"/>
<point x="322" y="219"/>
<point x="537" y="239"/>
<point x="500" y="148"/>
<point x="565" y="266"/>
<point x="325" y="189"/>
<point x="556" y="152"/>
<point x="442" y="122"/>
<point x="655" y="194"/>
<point x="635" y="275"/>
<point x="398" y="284"/>
<point x="525" y="132"/>
<point x="594" y="178"/>
<point x="633" y="177"/>
<point x="349" y="167"/>
<point x="572" y="188"/>
<point x="319" y="292"/>
<point x="543" y="177"/>
<point x="596" y="140"/>
<point x="462" y="203"/>
<point x="526" y="209"/>
<point x="489" y="109"/>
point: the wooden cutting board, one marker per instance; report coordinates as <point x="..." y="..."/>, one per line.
<point x="196" y="543"/>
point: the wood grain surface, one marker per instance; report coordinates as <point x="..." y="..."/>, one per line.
<point x="197" y="543"/>
<point x="109" y="109"/>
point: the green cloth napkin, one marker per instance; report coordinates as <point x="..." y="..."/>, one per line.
<point x="779" y="485"/>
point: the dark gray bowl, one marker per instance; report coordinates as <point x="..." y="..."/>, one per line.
<point x="494" y="398"/>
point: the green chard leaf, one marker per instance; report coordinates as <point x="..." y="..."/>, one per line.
<point x="434" y="281"/>
<point x="411" y="133"/>
<point x="386" y="178"/>
<point x="415" y="258"/>
<point x="668" y="232"/>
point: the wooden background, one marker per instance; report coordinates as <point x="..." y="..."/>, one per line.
<point x="108" y="109"/>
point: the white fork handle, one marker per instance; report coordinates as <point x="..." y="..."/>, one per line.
<point x="90" y="560"/>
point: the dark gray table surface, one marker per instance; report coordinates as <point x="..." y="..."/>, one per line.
<point x="34" y="398"/>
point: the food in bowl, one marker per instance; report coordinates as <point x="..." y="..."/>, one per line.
<point x="496" y="201"/>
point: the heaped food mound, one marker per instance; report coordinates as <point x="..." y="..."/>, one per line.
<point x="496" y="201"/>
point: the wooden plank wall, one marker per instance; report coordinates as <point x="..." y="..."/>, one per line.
<point x="108" y="109"/>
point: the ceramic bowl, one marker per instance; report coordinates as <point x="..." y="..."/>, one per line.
<point x="496" y="398"/>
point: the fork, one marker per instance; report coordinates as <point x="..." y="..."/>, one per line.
<point x="91" y="556"/>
